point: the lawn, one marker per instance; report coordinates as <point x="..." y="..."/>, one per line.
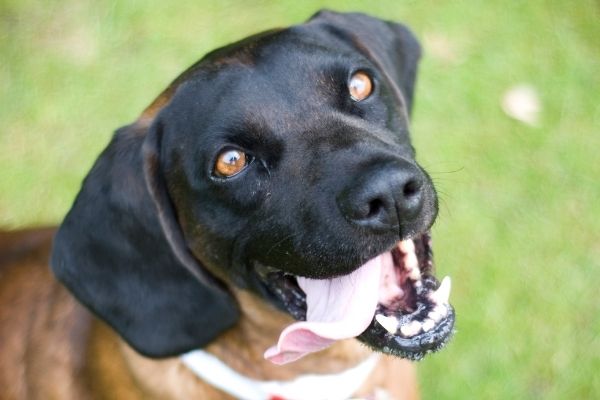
<point x="519" y="227"/>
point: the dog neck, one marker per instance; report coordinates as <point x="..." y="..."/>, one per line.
<point x="241" y="349"/>
<point x="243" y="346"/>
<point x="306" y="387"/>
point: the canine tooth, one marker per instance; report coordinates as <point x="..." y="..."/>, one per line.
<point x="407" y="246"/>
<point x="389" y="323"/>
<point x="442" y="294"/>
<point x="410" y="329"/>
<point x="415" y="274"/>
<point x="435" y="316"/>
<point x="411" y="262"/>
<point x="428" y="324"/>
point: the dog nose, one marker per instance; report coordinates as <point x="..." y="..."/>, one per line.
<point x="384" y="199"/>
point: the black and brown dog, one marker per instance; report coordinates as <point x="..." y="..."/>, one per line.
<point x="272" y="181"/>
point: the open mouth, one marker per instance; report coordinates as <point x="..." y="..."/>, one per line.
<point x="393" y="303"/>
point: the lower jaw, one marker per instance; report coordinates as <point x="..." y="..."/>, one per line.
<point x="412" y="348"/>
<point x="395" y="341"/>
<point x="424" y="322"/>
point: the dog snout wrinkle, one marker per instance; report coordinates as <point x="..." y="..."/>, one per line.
<point x="384" y="199"/>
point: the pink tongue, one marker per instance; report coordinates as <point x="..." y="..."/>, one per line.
<point x="338" y="308"/>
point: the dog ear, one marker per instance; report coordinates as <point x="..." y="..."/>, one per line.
<point x="391" y="46"/>
<point x="121" y="252"/>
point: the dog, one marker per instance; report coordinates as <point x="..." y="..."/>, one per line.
<point x="263" y="213"/>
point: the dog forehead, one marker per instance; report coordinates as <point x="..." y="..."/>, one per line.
<point x="276" y="61"/>
<point x="284" y="83"/>
<point x="296" y="46"/>
<point x="277" y="92"/>
<point x="289" y="66"/>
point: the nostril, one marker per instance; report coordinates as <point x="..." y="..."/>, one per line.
<point x="385" y="199"/>
<point x="375" y="208"/>
<point x="411" y="188"/>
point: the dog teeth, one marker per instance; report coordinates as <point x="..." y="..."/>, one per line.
<point x="442" y="294"/>
<point x="407" y="246"/>
<point x="389" y="323"/>
<point x="415" y="274"/>
<point x="411" y="329"/>
<point x="410" y="261"/>
<point x="440" y="309"/>
<point x="428" y="324"/>
<point x="392" y="325"/>
<point x="435" y="316"/>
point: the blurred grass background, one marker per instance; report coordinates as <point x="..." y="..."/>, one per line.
<point x="519" y="228"/>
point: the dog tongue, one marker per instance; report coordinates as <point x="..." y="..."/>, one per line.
<point x="338" y="308"/>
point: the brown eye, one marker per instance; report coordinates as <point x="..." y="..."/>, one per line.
<point x="360" y="86"/>
<point x="230" y="162"/>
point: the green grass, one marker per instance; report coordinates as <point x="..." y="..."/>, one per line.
<point x="519" y="229"/>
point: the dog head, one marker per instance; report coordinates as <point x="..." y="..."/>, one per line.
<point x="275" y="164"/>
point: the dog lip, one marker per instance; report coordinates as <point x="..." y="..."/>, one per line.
<point x="422" y="326"/>
<point x="424" y="323"/>
<point x="413" y="348"/>
<point x="283" y="290"/>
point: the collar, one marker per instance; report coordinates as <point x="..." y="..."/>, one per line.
<point x="338" y="386"/>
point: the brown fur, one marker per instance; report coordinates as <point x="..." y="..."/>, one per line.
<point x="53" y="348"/>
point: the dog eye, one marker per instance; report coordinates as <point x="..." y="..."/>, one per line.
<point x="360" y="86"/>
<point x="230" y="162"/>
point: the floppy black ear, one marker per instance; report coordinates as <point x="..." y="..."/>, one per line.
<point x="122" y="254"/>
<point x="390" y="46"/>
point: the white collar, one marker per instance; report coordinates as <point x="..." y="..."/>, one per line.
<point x="338" y="386"/>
